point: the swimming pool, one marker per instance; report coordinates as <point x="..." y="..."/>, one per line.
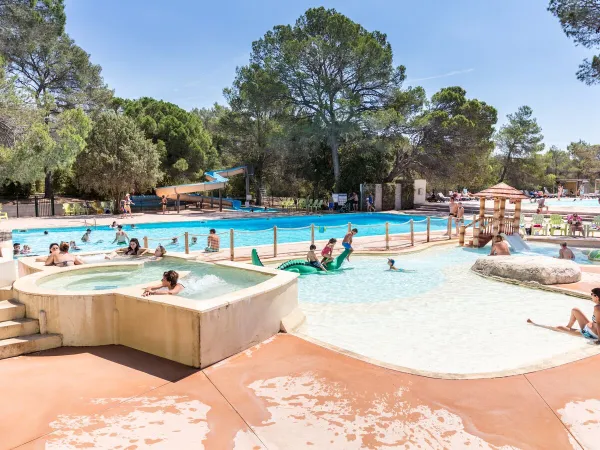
<point x="248" y="232"/>
<point x="441" y="318"/>
<point x="204" y="280"/>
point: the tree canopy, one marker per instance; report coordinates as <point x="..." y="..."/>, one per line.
<point x="185" y="146"/>
<point x="580" y="20"/>
<point x="118" y="158"/>
<point x="333" y="70"/>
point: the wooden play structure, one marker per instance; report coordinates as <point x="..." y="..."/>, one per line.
<point x="484" y="228"/>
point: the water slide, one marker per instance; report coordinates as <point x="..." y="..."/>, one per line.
<point x="516" y="242"/>
<point x="217" y="179"/>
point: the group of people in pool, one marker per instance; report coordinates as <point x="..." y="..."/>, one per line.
<point x="327" y="252"/>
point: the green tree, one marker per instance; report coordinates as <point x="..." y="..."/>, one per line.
<point x="518" y="142"/>
<point x="118" y="158"/>
<point x="252" y="122"/>
<point x="184" y="144"/>
<point x="580" y="20"/>
<point x="586" y="159"/>
<point x="333" y="70"/>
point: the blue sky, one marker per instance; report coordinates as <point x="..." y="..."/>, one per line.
<point x="507" y="53"/>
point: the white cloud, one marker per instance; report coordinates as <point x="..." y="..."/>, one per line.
<point x="449" y="74"/>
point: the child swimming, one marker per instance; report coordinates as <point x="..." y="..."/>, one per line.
<point x="392" y="265"/>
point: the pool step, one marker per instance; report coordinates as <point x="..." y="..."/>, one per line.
<point x="11" y="309"/>
<point x="17" y="346"/>
<point x="18" y="327"/>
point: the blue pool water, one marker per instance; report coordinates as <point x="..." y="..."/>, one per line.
<point x="248" y="232"/>
<point x="440" y="318"/>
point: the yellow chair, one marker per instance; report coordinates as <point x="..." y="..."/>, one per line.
<point x="557" y="223"/>
<point x="68" y="209"/>
<point x="3" y="215"/>
<point x="538" y="225"/>
<point x="594" y="227"/>
<point x="97" y="207"/>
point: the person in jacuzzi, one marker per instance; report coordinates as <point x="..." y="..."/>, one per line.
<point x="169" y="285"/>
<point x="134" y="248"/>
<point x="159" y="253"/>
<point x="62" y="257"/>
<point x="499" y="247"/>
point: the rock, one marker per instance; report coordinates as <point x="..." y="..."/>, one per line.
<point x="537" y="269"/>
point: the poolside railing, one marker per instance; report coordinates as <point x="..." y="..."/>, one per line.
<point x="389" y="230"/>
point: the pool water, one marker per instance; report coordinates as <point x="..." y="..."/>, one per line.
<point x="441" y="318"/>
<point x="205" y="280"/>
<point x="249" y="232"/>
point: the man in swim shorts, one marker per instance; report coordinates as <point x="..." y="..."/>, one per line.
<point x="347" y="242"/>
<point x="312" y="259"/>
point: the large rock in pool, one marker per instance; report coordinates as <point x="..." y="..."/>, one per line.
<point x="537" y="269"/>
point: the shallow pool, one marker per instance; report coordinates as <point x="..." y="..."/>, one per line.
<point x="204" y="281"/>
<point x="441" y="318"/>
<point x="248" y="232"/>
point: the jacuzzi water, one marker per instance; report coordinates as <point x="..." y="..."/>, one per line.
<point x="205" y="281"/>
<point x="248" y="232"/>
<point x="441" y="318"/>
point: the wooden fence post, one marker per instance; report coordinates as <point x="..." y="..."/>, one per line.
<point x="349" y="227"/>
<point x="412" y="233"/>
<point x="449" y="227"/>
<point x="186" y="237"/>
<point x="428" y="228"/>
<point x="275" y="242"/>
<point x="231" y="252"/>
<point x="461" y="236"/>
<point x="145" y="241"/>
<point x="387" y="235"/>
<point x="312" y="234"/>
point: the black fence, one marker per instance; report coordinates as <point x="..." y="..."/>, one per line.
<point x="36" y="206"/>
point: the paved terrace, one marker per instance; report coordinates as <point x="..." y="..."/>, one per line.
<point x="285" y="393"/>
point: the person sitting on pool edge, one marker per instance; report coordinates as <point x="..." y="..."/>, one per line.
<point x="499" y="247"/>
<point x="213" y="241"/>
<point x="588" y="329"/>
<point x="312" y="259"/>
<point x="347" y="242"/>
<point x="169" y="285"/>
<point x="565" y="252"/>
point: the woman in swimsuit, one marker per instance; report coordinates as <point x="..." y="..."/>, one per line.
<point x="54" y="250"/>
<point x="167" y="286"/>
<point x="589" y="329"/>
<point x="134" y="248"/>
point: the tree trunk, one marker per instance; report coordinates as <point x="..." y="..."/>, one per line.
<point x="257" y="185"/>
<point x="504" y="169"/>
<point x="48" y="189"/>
<point x="335" y="158"/>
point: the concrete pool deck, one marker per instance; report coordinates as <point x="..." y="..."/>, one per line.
<point x="285" y="393"/>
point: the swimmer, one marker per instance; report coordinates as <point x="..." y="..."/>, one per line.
<point x="499" y="247"/>
<point x="113" y="225"/>
<point x="121" y="237"/>
<point x="159" y="253"/>
<point x="194" y="240"/>
<point x="392" y="265"/>
<point x="174" y="240"/>
<point x="45" y="231"/>
<point x="312" y="259"/>
<point x="565" y="252"/>
<point x="347" y="242"/>
<point x="73" y="246"/>
<point x="169" y="285"/>
<point x="134" y="248"/>
<point x="16" y="248"/>
<point x="26" y="249"/>
<point x="86" y="236"/>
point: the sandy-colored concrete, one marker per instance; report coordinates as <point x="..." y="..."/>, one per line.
<point x="286" y="393"/>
